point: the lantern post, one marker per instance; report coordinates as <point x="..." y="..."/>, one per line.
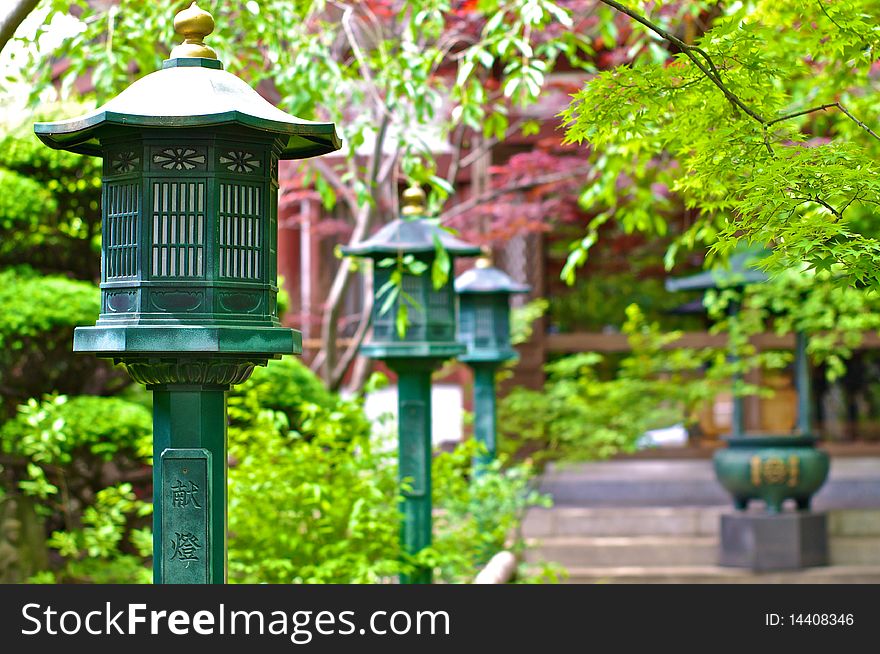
<point x="413" y="354"/>
<point x="189" y="269"/>
<point x="484" y="305"/>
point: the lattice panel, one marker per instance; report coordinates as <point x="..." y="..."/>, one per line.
<point x="439" y="303"/>
<point x="121" y="226"/>
<point x="240" y="215"/>
<point x="178" y="230"/>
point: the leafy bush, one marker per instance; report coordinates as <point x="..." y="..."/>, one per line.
<point x="37" y="318"/>
<point x="314" y="499"/>
<point x="106" y="548"/>
<point x="79" y="459"/>
<point x="50" y="215"/>
<point x="64" y="451"/>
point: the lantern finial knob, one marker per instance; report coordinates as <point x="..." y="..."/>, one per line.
<point x="485" y="260"/>
<point x="194" y="23"/>
<point x="414" y="200"/>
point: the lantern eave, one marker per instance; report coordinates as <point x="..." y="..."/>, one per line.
<point x="487" y="281"/>
<point x="410" y="236"/>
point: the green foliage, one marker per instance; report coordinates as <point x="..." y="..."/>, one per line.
<point x="62" y="448"/>
<point x="50" y="216"/>
<point x="834" y="316"/>
<point x="600" y="301"/>
<point x="756" y="125"/>
<point x="316" y="510"/>
<point x="480" y="515"/>
<point x="107" y="548"/>
<point x="71" y="455"/>
<point x="37" y="318"/>
<point x="313" y="497"/>
<point x="579" y="415"/>
<point x="522" y="319"/>
<point x="290" y="390"/>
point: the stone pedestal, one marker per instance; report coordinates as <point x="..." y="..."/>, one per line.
<point x="785" y="541"/>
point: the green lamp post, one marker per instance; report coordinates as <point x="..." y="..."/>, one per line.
<point x="189" y="269"/>
<point x="430" y="338"/>
<point x="484" y="306"/>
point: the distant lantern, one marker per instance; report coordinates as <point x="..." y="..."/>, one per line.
<point x="429" y="339"/>
<point x="431" y="312"/>
<point x="484" y="303"/>
<point x="189" y="268"/>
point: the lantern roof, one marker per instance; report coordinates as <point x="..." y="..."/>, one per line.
<point x="740" y="271"/>
<point x="485" y="278"/>
<point x="412" y="233"/>
<point x="191" y="90"/>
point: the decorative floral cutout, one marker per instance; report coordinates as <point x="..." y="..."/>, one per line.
<point x="179" y="158"/>
<point x="125" y="162"/>
<point x="240" y="161"/>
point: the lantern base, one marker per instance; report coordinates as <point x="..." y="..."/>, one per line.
<point x="116" y="341"/>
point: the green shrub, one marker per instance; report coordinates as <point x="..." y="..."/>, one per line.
<point x="37" y="317"/>
<point x="50" y="214"/>
<point x="63" y="451"/>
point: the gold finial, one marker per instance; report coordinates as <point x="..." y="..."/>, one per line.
<point x="485" y="260"/>
<point x="414" y="201"/>
<point x="194" y="23"/>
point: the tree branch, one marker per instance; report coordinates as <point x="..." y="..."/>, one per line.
<point x="14" y="17"/>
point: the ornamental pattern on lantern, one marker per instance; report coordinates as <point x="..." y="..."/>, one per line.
<point x="125" y="161"/>
<point x="179" y="158"/>
<point x="240" y="161"/>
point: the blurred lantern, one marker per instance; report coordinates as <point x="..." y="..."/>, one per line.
<point x="484" y="304"/>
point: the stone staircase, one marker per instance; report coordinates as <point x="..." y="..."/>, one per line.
<point x="658" y="522"/>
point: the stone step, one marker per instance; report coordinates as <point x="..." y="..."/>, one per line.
<point x="667" y="521"/>
<point x="654" y="551"/>
<point x="594" y="551"/>
<point x="629" y="521"/>
<point x="716" y="575"/>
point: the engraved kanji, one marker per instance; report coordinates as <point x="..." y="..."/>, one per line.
<point x="182" y="494"/>
<point x="185" y="547"/>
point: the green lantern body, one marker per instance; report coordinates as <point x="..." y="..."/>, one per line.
<point x="484" y="304"/>
<point x="190" y="186"/>
<point x="188" y="270"/>
<point x="430" y="338"/>
<point x="431" y="331"/>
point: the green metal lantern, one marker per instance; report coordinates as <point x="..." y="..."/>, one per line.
<point x="484" y="308"/>
<point x="189" y="268"/>
<point x="430" y="338"/>
<point x="768" y="467"/>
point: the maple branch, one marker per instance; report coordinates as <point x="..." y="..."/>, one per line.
<point x="714" y="77"/>
<point x="708" y="68"/>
